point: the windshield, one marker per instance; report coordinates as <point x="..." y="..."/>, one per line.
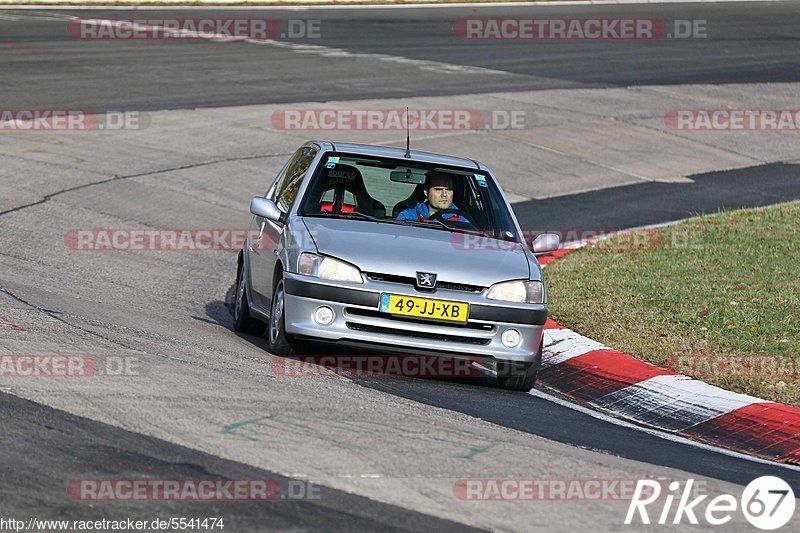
<point x="407" y="192"/>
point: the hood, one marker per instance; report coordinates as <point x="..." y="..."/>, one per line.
<point x="404" y="250"/>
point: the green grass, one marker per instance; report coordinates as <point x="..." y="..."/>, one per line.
<point x="711" y="289"/>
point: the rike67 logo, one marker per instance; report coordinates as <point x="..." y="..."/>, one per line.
<point x="767" y="503"/>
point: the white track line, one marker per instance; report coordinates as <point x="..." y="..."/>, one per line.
<point x="324" y="51"/>
<point x="422" y="64"/>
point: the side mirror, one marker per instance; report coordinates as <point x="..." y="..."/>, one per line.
<point x="262" y="207"/>
<point x="546" y="242"/>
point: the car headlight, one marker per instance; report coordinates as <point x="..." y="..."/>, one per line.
<point x="325" y="267"/>
<point x="530" y="292"/>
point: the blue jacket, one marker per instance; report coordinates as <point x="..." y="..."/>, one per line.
<point x="421" y="212"/>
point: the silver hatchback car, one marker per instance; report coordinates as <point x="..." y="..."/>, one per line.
<point x="395" y="251"/>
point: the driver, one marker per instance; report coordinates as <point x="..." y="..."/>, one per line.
<point x="438" y="195"/>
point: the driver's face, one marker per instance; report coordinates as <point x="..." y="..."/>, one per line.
<point x="440" y="193"/>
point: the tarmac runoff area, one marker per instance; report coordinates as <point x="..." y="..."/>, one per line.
<point x="544" y="143"/>
<point x="210" y="390"/>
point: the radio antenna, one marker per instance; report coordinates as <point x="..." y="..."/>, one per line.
<point x="408" y="137"/>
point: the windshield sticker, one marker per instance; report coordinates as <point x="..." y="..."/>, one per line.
<point x="481" y="180"/>
<point x="332" y="160"/>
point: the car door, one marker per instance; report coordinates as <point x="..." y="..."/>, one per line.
<point x="267" y="245"/>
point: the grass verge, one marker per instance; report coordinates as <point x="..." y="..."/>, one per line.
<point x="715" y="297"/>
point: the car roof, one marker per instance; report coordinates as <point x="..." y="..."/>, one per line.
<point x="399" y="153"/>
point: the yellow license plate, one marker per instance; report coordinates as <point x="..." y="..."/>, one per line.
<point x="424" y="308"/>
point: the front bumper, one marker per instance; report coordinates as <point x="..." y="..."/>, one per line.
<point x="358" y="322"/>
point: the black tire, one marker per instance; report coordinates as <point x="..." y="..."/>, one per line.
<point x="280" y="342"/>
<point x="242" y="321"/>
<point x="518" y="375"/>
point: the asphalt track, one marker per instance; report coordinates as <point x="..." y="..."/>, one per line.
<point x="44" y="447"/>
<point x="745" y="43"/>
<point x="70" y="446"/>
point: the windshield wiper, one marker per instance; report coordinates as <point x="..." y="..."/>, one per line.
<point x="424" y="223"/>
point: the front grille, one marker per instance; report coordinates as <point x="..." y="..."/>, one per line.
<point x="458" y="287"/>
<point x="377" y="314"/>
<point x="406" y="280"/>
<point x="391" y="278"/>
<point x="417" y="334"/>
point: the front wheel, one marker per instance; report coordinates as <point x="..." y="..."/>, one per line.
<point x="242" y="321"/>
<point x="280" y="342"/>
<point x="518" y="375"/>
